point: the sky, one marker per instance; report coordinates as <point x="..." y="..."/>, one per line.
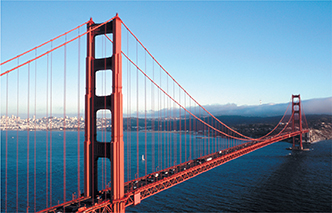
<point x="221" y="52"/>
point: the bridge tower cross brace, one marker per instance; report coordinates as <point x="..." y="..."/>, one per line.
<point x="93" y="149"/>
<point x="297" y="120"/>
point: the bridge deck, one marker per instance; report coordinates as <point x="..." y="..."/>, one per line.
<point x="146" y="186"/>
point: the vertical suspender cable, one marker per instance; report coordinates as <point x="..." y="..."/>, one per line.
<point x="185" y="130"/>
<point x="195" y="131"/>
<point x="224" y="138"/>
<point x="129" y="113"/>
<point x="160" y="136"/>
<point x="201" y="146"/>
<point x="152" y="122"/>
<point x="169" y="107"/>
<point x="78" y="117"/>
<point x="166" y="128"/>
<point x="206" y="141"/>
<point x="211" y="143"/>
<point x="163" y="128"/>
<point x="105" y="83"/>
<point x="233" y="142"/>
<point x="51" y="126"/>
<point x="210" y="140"/>
<point x="64" y="123"/>
<point x="103" y="114"/>
<point x="105" y="118"/>
<point x="215" y="136"/>
<point x="34" y="146"/>
<point x="28" y="138"/>
<point x="221" y="142"/>
<point x="158" y="129"/>
<point x="47" y="121"/>
<point x="17" y="125"/>
<point x="224" y="141"/>
<point x="203" y="128"/>
<point x="193" y="149"/>
<point x="180" y="125"/>
<point x="220" y="138"/>
<point x="137" y="120"/>
<point x="208" y="136"/>
<point x="174" y="126"/>
<point x="190" y="133"/>
<point x="7" y="120"/>
<point x="228" y="140"/>
<point x="145" y="153"/>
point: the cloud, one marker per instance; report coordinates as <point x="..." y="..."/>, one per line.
<point x="312" y="106"/>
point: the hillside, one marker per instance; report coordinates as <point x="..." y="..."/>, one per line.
<point x="320" y="125"/>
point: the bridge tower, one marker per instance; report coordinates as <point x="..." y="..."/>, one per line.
<point x="297" y="121"/>
<point x="93" y="149"/>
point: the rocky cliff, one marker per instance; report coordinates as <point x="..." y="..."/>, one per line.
<point x="320" y="127"/>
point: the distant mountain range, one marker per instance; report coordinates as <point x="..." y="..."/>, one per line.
<point x="311" y="106"/>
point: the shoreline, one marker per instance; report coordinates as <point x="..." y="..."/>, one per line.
<point x="150" y="131"/>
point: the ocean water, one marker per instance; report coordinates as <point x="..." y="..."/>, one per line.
<point x="269" y="179"/>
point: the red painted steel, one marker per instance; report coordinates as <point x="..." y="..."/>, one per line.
<point x="52" y="49"/>
<point x="35" y="48"/>
<point x="89" y="115"/>
<point x="297" y="121"/>
<point x="117" y="145"/>
<point x="92" y="148"/>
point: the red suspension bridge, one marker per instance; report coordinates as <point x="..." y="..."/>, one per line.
<point x="143" y="132"/>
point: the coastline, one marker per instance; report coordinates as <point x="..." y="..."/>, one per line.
<point x="315" y="135"/>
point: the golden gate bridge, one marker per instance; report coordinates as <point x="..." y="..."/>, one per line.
<point x="153" y="121"/>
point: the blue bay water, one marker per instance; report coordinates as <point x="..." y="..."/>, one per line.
<point x="268" y="179"/>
